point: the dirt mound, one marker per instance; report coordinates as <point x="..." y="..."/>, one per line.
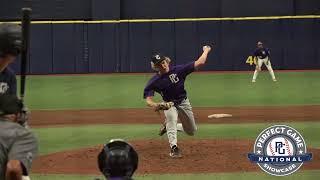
<point x="134" y="116"/>
<point x="199" y="156"/>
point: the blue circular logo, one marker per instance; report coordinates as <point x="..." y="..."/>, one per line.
<point x="280" y="150"/>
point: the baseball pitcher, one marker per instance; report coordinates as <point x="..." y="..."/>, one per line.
<point x="18" y="145"/>
<point x="263" y="56"/>
<point x="169" y="83"/>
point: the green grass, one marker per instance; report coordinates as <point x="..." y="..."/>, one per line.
<point x="305" y="175"/>
<point x="64" y="138"/>
<point x="204" y="90"/>
<point x="125" y="91"/>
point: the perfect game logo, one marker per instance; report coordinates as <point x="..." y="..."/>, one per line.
<point x="280" y="150"/>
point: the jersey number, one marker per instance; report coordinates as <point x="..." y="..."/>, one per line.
<point x="251" y="60"/>
<point x="173" y="78"/>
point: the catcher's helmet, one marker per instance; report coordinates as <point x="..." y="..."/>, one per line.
<point x="10" y="104"/>
<point x="10" y="39"/>
<point x="118" y="160"/>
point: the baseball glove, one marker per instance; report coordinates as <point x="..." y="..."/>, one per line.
<point x="164" y="106"/>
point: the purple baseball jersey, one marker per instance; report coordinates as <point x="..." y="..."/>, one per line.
<point x="261" y="53"/>
<point x="8" y="82"/>
<point x="170" y="85"/>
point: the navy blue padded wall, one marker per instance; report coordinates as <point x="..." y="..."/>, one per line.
<point x="110" y="44"/>
<point x="207" y="8"/>
<point x="95" y="44"/>
<point x="185" y="8"/>
<point x="132" y="9"/>
<point x="41" y="54"/>
<point x="127" y="47"/>
<point x="236" y="8"/>
<point x="43" y="9"/>
<point x="123" y="47"/>
<point x="81" y="48"/>
<point x="71" y="9"/>
<point x="209" y="34"/>
<point x="163" y="39"/>
<point x="307" y="7"/>
<point x="135" y="9"/>
<point x="138" y="57"/>
<point x="102" y="9"/>
<point x="301" y="44"/>
<point x="196" y="8"/>
<point x="102" y="47"/>
<point x="232" y="45"/>
<point x="47" y="9"/>
<point x="63" y="48"/>
<point x="187" y="41"/>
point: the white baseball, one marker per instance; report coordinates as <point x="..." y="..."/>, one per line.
<point x="287" y="147"/>
<point x="206" y="47"/>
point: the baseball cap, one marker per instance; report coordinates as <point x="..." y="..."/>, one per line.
<point x="157" y="58"/>
<point x="10" y="104"/>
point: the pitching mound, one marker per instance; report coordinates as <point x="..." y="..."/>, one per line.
<point x="199" y="156"/>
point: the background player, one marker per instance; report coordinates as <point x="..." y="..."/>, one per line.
<point x="10" y="46"/>
<point x="263" y="56"/>
<point x="18" y="145"/>
<point x="169" y="83"/>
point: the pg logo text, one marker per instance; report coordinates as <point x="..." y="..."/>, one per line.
<point x="173" y="78"/>
<point x="280" y="150"/>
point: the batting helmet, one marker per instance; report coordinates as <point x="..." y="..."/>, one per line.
<point x="118" y="160"/>
<point x="10" y="39"/>
<point x="10" y="104"/>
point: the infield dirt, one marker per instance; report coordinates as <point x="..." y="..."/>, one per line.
<point x="199" y="156"/>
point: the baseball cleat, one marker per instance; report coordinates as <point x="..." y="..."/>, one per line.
<point x="274" y="80"/>
<point x="175" y="152"/>
<point x="253" y="80"/>
<point x="163" y="129"/>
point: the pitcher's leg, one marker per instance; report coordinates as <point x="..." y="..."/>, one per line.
<point x="171" y="125"/>
<point x="180" y="127"/>
<point x="163" y="128"/>
<point x="187" y="118"/>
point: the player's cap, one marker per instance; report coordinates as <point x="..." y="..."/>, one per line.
<point x="157" y="58"/>
<point x="10" y="39"/>
<point x="10" y="104"/>
<point x="259" y="43"/>
<point x="118" y="159"/>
